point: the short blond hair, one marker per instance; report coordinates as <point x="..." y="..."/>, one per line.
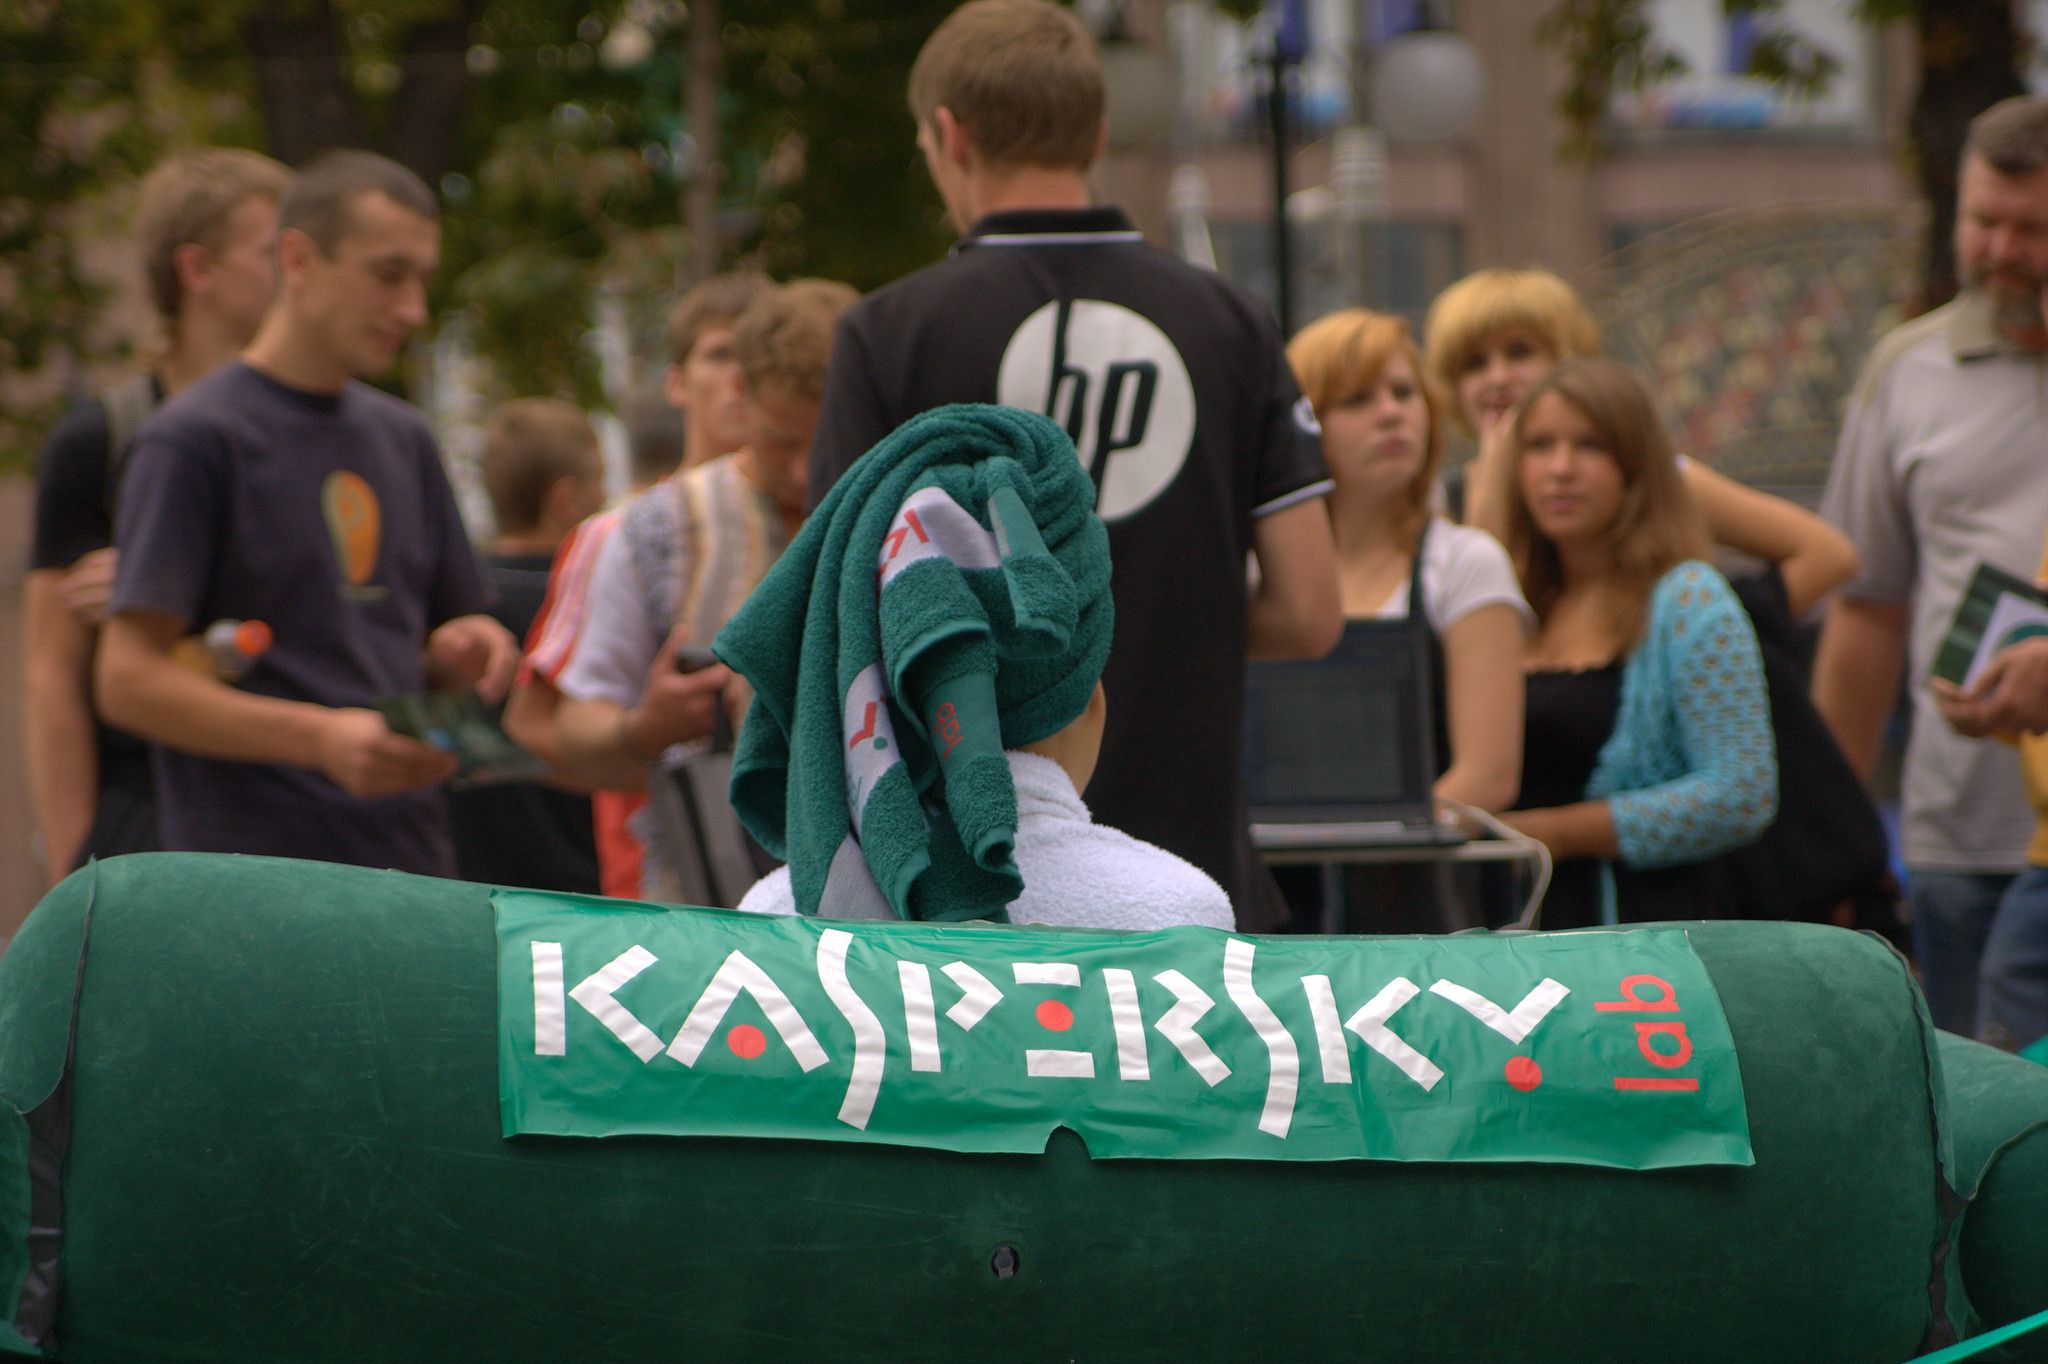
<point x="1489" y="304"/>
<point x="530" y="445"/>
<point x="1023" y="78"/>
<point x="1338" y="357"/>
<point x="186" y="201"/>
<point x="784" y="338"/>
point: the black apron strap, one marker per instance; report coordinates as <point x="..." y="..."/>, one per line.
<point x="1418" y="619"/>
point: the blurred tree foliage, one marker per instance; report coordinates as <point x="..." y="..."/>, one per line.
<point x="553" y="128"/>
<point x="1969" y="52"/>
<point x="821" y="85"/>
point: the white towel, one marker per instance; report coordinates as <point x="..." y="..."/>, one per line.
<point x="1077" y="873"/>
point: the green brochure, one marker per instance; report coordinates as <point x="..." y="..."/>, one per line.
<point x="457" y="722"/>
<point x="1998" y="610"/>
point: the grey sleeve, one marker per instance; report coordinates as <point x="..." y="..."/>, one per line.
<point x="1865" y="499"/>
<point x="612" y="653"/>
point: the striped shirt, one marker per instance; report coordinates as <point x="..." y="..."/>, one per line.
<point x="685" y="554"/>
<point x="552" y="636"/>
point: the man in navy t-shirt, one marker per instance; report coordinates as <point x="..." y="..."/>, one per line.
<point x="281" y="489"/>
<point x="1172" y="383"/>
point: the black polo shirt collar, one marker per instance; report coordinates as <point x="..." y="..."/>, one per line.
<point x="1101" y="225"/>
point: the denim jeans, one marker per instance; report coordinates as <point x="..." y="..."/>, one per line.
<point x="1952" y="914"/>
<point x="2012" y="985"/>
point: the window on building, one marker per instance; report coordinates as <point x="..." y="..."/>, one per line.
<point x="1714" y="99"/>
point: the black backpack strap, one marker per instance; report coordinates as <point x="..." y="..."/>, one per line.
<point x="128" y="405"/>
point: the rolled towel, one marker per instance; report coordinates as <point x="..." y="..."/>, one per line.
<point x="949" y="599"/>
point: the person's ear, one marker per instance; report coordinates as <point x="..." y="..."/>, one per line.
<point x="296" y="253"/>
<point x="956" y="144"/>
<point x="559" y="500"/>
<point x="568" y="500"/>
<point x="672" y="388"/>
<point x="192" y="264"/>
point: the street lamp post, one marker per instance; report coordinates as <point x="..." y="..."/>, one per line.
<point x="1288" y="21"/>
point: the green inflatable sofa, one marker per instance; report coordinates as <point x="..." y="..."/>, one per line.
<point x="263" y="1110"/>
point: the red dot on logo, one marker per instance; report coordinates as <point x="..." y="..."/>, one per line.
<point x="746" y="1041"/>
<point x="1055" y="1015"/>
<point x="1524" y="1074"/>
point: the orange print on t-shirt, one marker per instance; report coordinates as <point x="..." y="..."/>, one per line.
<point x="354" y="524"/>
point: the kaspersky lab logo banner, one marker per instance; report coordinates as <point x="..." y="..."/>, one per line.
<point x="1604" y="1048"/>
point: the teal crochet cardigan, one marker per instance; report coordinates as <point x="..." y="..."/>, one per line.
<point x="1691" y="769"/>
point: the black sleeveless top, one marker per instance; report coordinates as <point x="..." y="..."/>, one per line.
<point x="1568" y="718"/>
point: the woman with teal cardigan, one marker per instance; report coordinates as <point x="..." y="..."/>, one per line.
<point x="1647" y="743"/>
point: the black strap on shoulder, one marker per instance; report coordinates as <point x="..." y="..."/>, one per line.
<point x="1415" y="611"/>
<point x="128" y="405"/>
<point x="1418" y="620"/>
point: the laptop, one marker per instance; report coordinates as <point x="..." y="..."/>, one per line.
<point x="1338" y="750"/>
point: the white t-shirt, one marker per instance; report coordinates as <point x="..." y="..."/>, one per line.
<point x="1463" y="569"/>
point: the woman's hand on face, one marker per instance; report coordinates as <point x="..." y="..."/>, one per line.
<point x="1497" y="375"/>
<point x="1496" y="436"/>
<point x="1493" y="424"/>
<point x="1495" y="430"/>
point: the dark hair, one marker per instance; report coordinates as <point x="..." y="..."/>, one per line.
<point x="655" y="434"/>
<point x="1657" y="527"/>
<point x="320" y="201"/>
<point x="530" y="445"/>
<point x="2011" y="136"/>
<point x="1023" y="78"/>
<point x="186" y="201"/>
<point x="712" y="303"/>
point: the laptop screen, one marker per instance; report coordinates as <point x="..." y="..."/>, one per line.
<point x="1326" y="739"/>
<point x="1345" y="738"/>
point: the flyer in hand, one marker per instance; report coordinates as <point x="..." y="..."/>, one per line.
<point x="456" y="722"/>
<point x="1999" y="609"/>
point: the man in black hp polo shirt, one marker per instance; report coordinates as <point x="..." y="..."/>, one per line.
<point x="1172" y="383"/>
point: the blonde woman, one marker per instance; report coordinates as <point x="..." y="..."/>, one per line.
<point x="1493" y="334"/>
<point x="1399" y="565"/>
<point x="1648" y="737"/>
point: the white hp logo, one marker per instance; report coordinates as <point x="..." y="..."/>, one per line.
<point x="1116" y="384"/>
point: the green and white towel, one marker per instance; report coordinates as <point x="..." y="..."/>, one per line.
<point x="947" y="600"/>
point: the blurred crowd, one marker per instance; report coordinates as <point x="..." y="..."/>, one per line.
<point x="1677" y="685"/>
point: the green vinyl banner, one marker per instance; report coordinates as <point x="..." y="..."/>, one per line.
<point x="1598" y="1048"/>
